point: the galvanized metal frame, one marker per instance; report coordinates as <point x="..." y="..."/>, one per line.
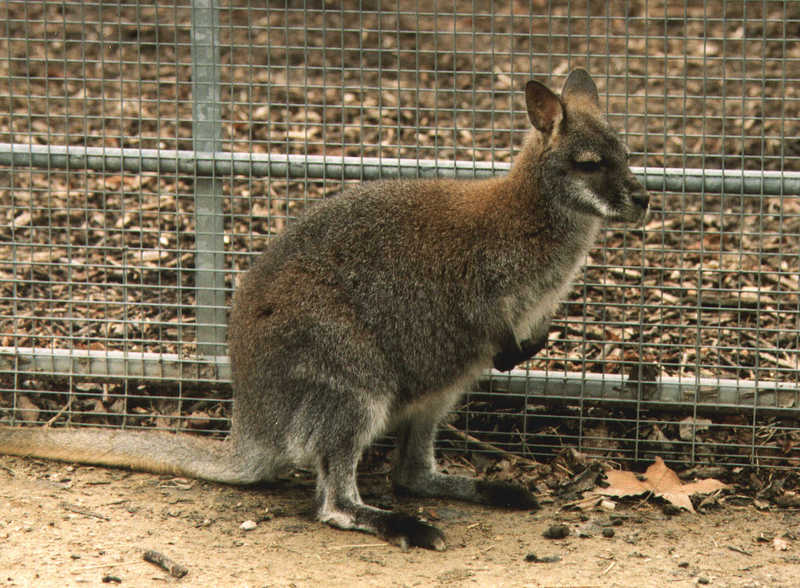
<point x="207" y="136"/>
<point x="211" y="165"/>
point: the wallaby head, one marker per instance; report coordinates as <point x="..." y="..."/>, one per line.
<point x="582" y="163"/>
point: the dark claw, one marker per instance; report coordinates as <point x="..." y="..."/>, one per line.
<point x="405" y="530"/>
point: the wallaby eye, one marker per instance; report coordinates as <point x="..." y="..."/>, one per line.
<point x="588" y="166"/>
<point x="588" y="161"/>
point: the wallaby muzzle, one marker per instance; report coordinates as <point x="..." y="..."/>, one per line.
<point x="639" y="200"/>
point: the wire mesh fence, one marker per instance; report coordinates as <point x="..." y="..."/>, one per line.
<point x="148" y="150"/>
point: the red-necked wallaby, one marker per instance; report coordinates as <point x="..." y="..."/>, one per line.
<point x="375" y="310"/>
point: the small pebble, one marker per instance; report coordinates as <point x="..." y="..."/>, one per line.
<point x="683" y="564"/>
<point x="608" y="532"/>
<point x="248" y="525"/>
<point x="608" y="504"/>
<point x="703" y="580"/>
<point x="556" y="532"/>
<point x="108" y="579"/>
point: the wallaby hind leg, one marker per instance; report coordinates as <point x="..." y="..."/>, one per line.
<point x="340" y="436"/>
<point x="415" y="471"/>
<point x="339" y="504"/>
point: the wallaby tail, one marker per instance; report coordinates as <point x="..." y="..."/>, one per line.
<point x="147" y="451"/>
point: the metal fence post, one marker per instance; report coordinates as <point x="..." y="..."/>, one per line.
<point x="207" y="133"/>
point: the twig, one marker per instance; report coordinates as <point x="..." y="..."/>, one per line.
<point x="739" y="550"/>
<point x="487" y="446"/>
<point x="83" y="511"/>
<point x="647" y="496"/>
<point x="608" y="569"/>
<point x="564" y="469"/>
<point x="64" y="408"/>
<point x="175" y="570"/>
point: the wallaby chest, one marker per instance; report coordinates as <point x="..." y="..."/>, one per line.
<point x="530" y="306"/>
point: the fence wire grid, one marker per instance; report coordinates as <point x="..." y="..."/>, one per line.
<point x="149" y="150"/>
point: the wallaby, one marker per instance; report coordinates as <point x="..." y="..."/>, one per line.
<point x="375" y="310"/>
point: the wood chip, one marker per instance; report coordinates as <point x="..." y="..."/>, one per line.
<point x="175" y="570"/>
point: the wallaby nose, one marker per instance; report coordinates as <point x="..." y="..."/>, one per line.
<point x="639" y="196"/>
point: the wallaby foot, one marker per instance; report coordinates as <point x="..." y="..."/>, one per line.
<point x="339" y="503"/>
<point x="415" y="472"/>
<point x="505" y="494"/>
<point x="406" y="530"/>
<point x="488" y="492"/>
<point x="397" y="528"/>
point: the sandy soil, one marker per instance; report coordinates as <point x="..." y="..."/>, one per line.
<point x="74" y="525"/>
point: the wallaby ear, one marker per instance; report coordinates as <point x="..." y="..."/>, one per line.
<point x="580" y="83"/>
<point x="544" y="107"/>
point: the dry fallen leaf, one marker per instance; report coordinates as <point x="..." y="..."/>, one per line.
<point x="690" y="426"/>
<point x="27" y="410"/>
<point x="788" y="499"/>
<point x="661" y="481"/>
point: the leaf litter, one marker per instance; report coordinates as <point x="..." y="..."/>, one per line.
<point x="660" y="481"/>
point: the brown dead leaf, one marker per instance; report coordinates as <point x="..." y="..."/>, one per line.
<point x="197" y="420"/>
<point x="661" y="481"/>
<point x="690" y="426"/>
<point x="788" y="499"/>
<point x="27" y="410"/>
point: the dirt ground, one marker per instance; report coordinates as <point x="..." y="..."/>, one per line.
<point x="63" y="525"/>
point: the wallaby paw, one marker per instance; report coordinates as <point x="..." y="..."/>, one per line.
<point x="408" y="531"/>
<point x="504" y="362"/>
<point x="530" y="347"/>
<point x="505" y="494"/>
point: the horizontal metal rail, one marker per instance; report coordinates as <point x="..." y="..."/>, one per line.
<point x="113" y="365"/>
<point x="703" y="395"/>
<point x="221" y="164"/>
